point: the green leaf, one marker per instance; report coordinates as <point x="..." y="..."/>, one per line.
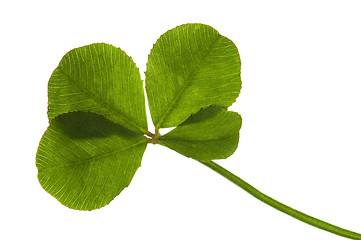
<point x="191" y="67"/>
<point x="102" y="79"/>
<point x="212" y="133"/>
<point x="84" y="160"/>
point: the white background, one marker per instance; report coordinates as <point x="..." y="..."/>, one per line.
<point x="300" y="102"/>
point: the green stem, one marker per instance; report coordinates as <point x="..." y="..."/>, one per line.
<point x="149" y="134"/>
<point x="157" y="133"/>
<point x="280" y="206"/>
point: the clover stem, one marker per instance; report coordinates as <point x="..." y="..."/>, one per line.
<point x="153" y="137"/>
<point x="280" y="206"/>
<point x="157" y="133"/>
<point x="149" y="134"/>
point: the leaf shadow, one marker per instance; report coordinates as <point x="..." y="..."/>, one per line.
<point x="83" y="125"/>
<point x="203" y="114"/>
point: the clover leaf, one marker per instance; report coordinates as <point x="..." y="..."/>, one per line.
<point x="85" y="160"/>
<point x="191" y="67"/>
<point x="102" y="79"/>
<point x="98" y="126"/>
<point x="212" y="133"/>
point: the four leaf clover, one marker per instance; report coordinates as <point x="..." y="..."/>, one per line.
<point x="98" y="128"/>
